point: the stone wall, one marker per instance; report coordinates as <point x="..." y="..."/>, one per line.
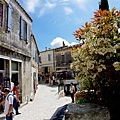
<point x="86" y="111"/>
<point x="13" y="48"/>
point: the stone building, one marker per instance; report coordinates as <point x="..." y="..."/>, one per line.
<point x="63" y="58"/>
<point x="15" y="46"/>
<point x="56" y="60"/>
<point x="47" y="63"/>
<point x="34" y="65"/>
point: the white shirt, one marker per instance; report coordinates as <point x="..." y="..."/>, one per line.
<point x="53" y="77"/>
<point x="12" y="86"/>
<point x="8" y="101"/>
<point x="72" y="89"/>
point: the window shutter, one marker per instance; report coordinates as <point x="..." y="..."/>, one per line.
<point x="39" y="59"/>
<point x="27" y="33"/>
<point x="9" y="17"/>
<point x="21" y="28"/>
<point x="1" y="14"/>
<point x="25" y="30"/>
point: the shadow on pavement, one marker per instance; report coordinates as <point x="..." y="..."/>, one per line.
<point x="59" y="113"/>
<point x="2" y="118"/>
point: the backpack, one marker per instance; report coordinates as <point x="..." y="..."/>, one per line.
<point x="14" y="100"/>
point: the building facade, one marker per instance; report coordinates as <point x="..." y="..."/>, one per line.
<point x="47" y="63"/>
<point x="63" y="58"/>
<point x="34" y="66"/>
<point x="55" y="60"/>
<point x="15" y="46"/>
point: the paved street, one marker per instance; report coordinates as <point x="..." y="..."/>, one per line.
<point x="44" y="105"/>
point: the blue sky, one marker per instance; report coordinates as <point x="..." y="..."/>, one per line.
<point x="55" y="21"/>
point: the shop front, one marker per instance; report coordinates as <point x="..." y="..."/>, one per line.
<point x="10" y="70"/>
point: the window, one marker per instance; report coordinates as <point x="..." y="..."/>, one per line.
<point x="1" y="14"/>
<point x="49" y="57"/>
<point x="24" y="30"/>
<point x="9" y="17"/>
<point x="1" y="64"/>
<point x="40" y="59"/>
<point x="63" y="58"/>
<point x="14" y="66"/>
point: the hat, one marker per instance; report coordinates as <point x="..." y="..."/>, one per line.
<point x="6" y="90"/>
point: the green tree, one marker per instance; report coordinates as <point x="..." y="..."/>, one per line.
<point x="97" y="60"/>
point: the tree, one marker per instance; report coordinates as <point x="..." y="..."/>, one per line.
<point x="97" y="59"/>
<point x="103" y="5"/>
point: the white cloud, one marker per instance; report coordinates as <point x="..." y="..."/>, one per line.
<point x="64" y="0"/>
<point x="49" y="5"/>
<point x="58" y="42"/>
<point x="68" y="10"/>
<point x="81" y="3"/>
<point x="46" y="7"/>
<point x="31" y="5"/>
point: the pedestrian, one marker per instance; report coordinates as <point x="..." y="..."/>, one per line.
<point x="16" y="95"/>
<point x="78" y="86"/>
<point x="8" y="110"/>
<point x="53" y="79"/>
<point x="72" y="91"/>
<point x="41" y="79"/>
<point x="50" y="80"/>
<point x="11" y="85"/>
<point x="1" y="99"/>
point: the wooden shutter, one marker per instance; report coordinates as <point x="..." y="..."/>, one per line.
<point x="9" y="17"/>
<point x="1" y="14"/>
<point x="21" y="28"/>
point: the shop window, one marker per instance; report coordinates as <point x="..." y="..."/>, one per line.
<point x="14" y="66"/>
<point x="1" y="64"/>
<point x="1" y="14"/>
<point x="24" y="34"/>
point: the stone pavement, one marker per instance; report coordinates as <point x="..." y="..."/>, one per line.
<point x="43" y="106"/>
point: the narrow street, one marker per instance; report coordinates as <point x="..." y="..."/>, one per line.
<point x="44" y="105"/>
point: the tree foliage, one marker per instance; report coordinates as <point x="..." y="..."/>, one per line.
<point x="104" y="5"/>
<point x="97" y="59"/>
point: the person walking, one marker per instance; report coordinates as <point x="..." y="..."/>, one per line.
<point x="16" y="95"/>
<point x="53" y="79"/>
<point x="72" y="91"/>
<point x="1" y="99"/>
<point x="8" y="110"/>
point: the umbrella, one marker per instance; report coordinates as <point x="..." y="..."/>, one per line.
<point x="59" y="113"/>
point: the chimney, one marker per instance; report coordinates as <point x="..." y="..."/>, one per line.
<point x="63" y="44"/>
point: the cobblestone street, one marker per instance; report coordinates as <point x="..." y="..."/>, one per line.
<point x="44" y="105"/>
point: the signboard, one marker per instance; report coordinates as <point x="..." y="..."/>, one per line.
<point x="69" y="81"/>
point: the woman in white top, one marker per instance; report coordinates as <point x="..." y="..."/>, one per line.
<point x="72" y="91"/>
